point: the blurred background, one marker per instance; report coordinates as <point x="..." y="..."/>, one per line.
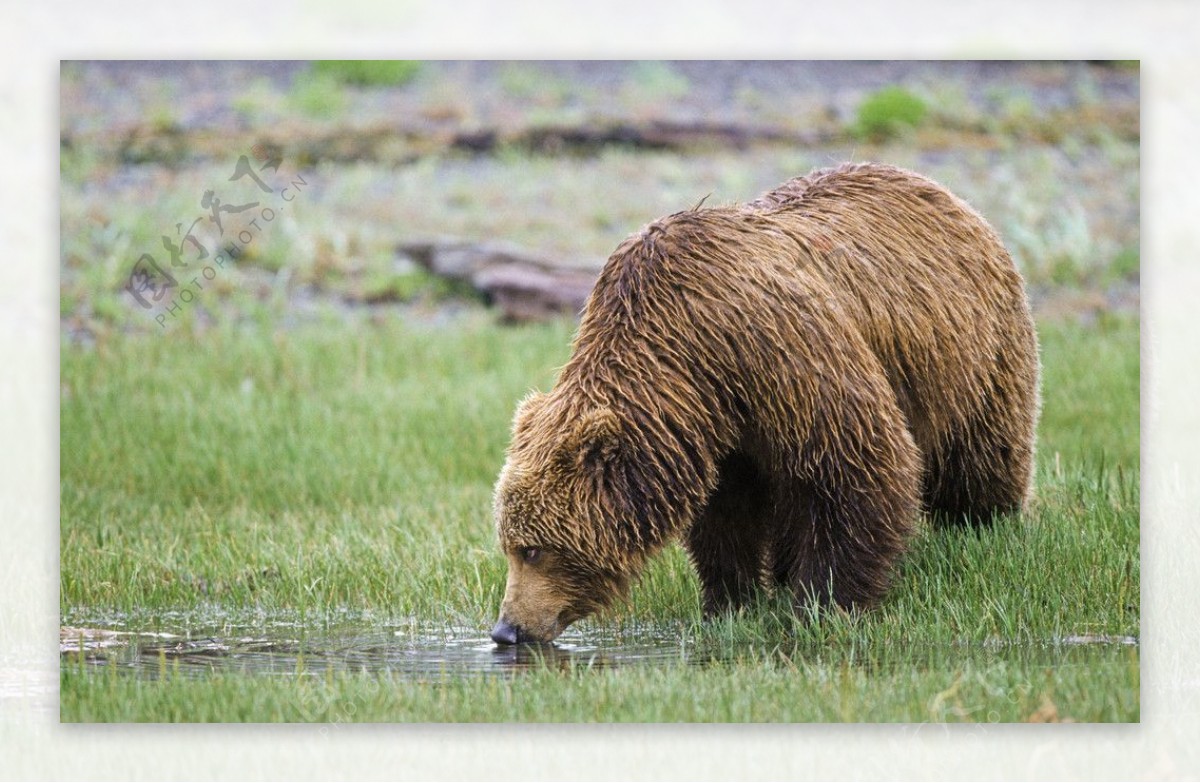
<point x="200" y="193"/>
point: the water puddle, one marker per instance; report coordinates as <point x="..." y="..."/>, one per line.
<point x="403" y="649"/>
<point x="285" y="646"/>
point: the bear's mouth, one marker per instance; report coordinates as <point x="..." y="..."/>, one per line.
<point x="564" y="619"/>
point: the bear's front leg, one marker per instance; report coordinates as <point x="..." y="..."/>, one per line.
<point x="843" y="528"/>
<point x="847" y="488"/>
<point x="844" y="550"/>
<point x="726" y="543"/>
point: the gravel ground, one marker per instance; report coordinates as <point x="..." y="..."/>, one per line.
<point x="99" y="96"/>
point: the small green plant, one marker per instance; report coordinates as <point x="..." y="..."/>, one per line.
<point x="888" y="113"/>
<point x="368" y="73"/>
<point x="1126" y="265"/>
<point x="382" y="287"/>
<point x="531" y="82"/>
<point x="317" y="95"/>
<point x="259" y="99"/>
<point x="162" y="119"/>
<point x="653" y="80"/>
<point x="107" y="308"/>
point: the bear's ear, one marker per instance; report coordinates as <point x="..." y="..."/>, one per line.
<point x="595" y="438"/>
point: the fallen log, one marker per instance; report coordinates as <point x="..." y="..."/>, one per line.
<point x="522" y="284"/>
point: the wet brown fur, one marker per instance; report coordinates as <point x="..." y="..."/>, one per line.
<point x="782" y="385"/>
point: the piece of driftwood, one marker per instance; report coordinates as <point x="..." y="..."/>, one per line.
<point x="653" y="134"/>
<point x="522" y="284"/>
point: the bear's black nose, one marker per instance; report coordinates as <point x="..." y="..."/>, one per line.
<point x="505" y="632"/>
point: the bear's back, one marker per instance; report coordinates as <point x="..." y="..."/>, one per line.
<point x="923" y="276"/>
<point x="913" y="270"/>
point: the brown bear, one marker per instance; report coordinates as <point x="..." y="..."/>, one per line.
<point x="783" y="386"/>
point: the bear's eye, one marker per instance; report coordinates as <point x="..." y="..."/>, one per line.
<point x="531" y="554"/>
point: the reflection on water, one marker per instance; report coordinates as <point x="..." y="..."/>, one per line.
<point x="285" y="646"/>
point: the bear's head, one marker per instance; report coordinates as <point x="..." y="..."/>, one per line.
<point x="564" y="519"/>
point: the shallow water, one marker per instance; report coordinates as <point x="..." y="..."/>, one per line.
<point x="288" y="647"/>
<point x="200" y="646"/>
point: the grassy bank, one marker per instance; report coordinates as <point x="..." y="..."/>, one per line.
<point x="757" y="688"/>
<point x="318" y="469"/>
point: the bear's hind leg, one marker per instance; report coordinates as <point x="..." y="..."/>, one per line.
<point x="973" y="484"/>
<point x="984" y="466"/>
<point x="726" y="542"/>
<point x="984" y="470"/>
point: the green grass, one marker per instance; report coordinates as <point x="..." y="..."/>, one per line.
<point x="369" y="73"/>
<point x="317" y="470"/>
<point x="321" y="91"/>
<point x="758" y="688"/>
<point x="318" y="96"/>
<point x="651" y="81"/>
<point x="889" y="112"/>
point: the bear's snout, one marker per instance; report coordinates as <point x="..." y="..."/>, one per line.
<point x="507" y="633"/>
